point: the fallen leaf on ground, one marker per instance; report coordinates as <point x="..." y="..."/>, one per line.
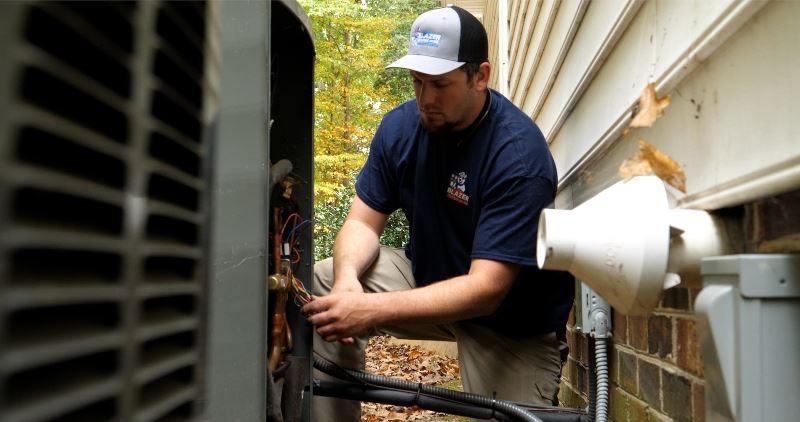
<point x="649" y="160"/>
<point x="410" y="363"/>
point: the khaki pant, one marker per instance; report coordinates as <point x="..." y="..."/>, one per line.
<point x="526" y="370"/>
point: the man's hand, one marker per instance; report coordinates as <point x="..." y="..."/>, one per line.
<point x="347" y="285"/>
<point x="340" y="316"/>
<point x="342" y="286"/>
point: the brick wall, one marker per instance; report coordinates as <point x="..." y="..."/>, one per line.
<point x="655" y="366"/>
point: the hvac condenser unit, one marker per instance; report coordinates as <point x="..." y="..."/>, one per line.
<point x="119" y="135"/>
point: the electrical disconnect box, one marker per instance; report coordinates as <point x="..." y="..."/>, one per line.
<point x="592" y="308"/>
<point x="748" y="313"/>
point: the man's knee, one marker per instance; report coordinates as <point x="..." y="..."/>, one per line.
<point x="323" y="276"/>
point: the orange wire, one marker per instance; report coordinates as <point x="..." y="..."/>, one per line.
<point x="291" y="216"/>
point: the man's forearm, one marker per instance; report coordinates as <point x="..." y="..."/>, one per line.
<point x="443" y="302"/>
<point x="475" y="294"/>
<point x="354" y="250"/>
<point x="340" y="316"/>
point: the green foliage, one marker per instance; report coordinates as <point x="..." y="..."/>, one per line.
<point x="329" y="218"/>
<point x="354" y="40"/>
<point x="396" y="232"/>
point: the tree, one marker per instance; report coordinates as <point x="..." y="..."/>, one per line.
<point x="330" y="217"/>
<point x="346" y="102"/>
<point x="354" y="41"/>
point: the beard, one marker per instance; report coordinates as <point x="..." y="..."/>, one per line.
<point x="437" y="127"/>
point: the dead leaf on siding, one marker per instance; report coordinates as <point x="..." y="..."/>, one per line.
<point x="650" y="107"/>
<point x="784" y="244"/>
<point x="649" y="160"/>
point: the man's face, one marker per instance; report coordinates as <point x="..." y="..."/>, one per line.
<point x="446" y="102"/>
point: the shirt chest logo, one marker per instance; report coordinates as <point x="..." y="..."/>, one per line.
<point x="457" y="188"/>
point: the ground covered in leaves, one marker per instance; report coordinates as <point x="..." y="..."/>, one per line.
<point x="410" y="363"/>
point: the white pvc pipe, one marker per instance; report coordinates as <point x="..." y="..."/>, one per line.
<point x="702" y="236"/>
<point x="617" y="242"/>
<point x="556" y="239"/>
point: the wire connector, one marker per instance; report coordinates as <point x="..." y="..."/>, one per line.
<point x="602" y="323"/>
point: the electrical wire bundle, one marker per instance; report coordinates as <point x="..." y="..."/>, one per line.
<point x="301" y="295"/>
<point x="286" y="227"/>
<point x="291" y="252"/>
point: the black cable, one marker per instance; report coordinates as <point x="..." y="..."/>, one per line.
<point x="502" y="406"/>
<point x="337" y="371"/>
<point x="360" y="392"/>
<point x="494" y="402"/>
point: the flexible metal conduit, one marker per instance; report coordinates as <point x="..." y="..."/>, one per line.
<point x="500" y="405"/>
<point x="591" y="409"/>
<point x="601" y="362"/>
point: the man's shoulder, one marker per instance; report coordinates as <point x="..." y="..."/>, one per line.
<point x="513" y="127"/>
<point x="518" y="144"/>
<point x="511" y="118"/>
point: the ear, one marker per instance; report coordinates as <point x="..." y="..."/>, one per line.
<point x="482" y="77"/>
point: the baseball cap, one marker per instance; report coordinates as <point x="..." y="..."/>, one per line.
<point x="444" y="39"/>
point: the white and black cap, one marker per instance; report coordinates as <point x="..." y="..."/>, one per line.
<point x="443" y="40"/>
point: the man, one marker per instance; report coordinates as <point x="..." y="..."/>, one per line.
<point x="472" y="173"/>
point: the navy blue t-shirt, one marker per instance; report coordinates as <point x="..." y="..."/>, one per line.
<point x="473" y="194"/>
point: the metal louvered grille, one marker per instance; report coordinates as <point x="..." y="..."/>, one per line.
<point x="103" y="211"/>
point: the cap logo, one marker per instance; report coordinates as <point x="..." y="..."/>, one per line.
<point x="425" y="39"/>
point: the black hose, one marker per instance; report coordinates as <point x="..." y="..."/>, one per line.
<point x="361" y="392"/>
<point x="498" y="406"/>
